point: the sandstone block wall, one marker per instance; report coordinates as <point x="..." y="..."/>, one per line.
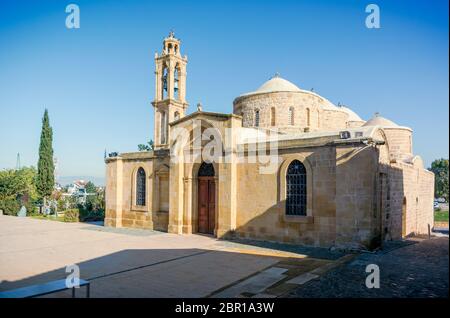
<point x="261" y="206"/>
<point x="400" y="143"/>
<point x="412" y="192"/>
<point x="303" y="103"/>
<point x="121" y="208"/>
<point x="356" y="196"/>
<point x="357" y="216"/>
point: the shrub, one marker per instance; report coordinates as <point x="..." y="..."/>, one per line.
<point x="72" y="215"/>
<point x="31" y="208"/>
<point x="90" y="216"/>
<point x="10" y="206"/>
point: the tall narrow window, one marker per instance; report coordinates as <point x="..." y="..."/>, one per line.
<point x="163" y="128"/>
<point x="257" y="118"/>
<point x="176" y="116"/>
<point x="291" y="116"/>
<point x="272" y="116"/>
<point x="296" y="189"/>
<point x="140" y="187"/>
<point x="164" y="82"/>
<point x="176" y="83"/>
<point x="308" y="117"/>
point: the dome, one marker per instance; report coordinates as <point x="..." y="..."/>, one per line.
<point x="377" y="120"/>
<point x="280" y="103"/>
<point x="275" y="84"/>
<point x="352" y="116"/>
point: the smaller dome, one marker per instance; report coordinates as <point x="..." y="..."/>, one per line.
<point x="275" y="84"/>
<point x="377" y="120"/>
<point x="352" y="116"/>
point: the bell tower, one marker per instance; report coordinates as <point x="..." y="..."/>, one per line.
<point x="170" y="89"/>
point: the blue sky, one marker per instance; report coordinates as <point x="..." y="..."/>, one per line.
<point x="97" y="81"/>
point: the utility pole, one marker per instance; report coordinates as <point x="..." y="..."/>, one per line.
<point x="18" y="162"/>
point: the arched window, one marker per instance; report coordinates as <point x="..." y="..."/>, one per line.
<point x="296" y="189"/>
<point x="318" y="119"/>
<point x="308" y="117"/>
<point x="272" y="116"/>
<point x="164" y="82"/>
<point x="176" y="116"/>
<point x="140" y="187"/>
<point x="291" y="116"/>
<point x="257" y="118"/>
<point x="176" y="80"/>
<point x="163" y="133"/>
<point x="206" y="170"/>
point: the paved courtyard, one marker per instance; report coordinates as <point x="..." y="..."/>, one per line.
<point x="141" y="263"/>
<point x="417" y="268"/>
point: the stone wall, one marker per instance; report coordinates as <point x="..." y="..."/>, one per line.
<point x="356" y="196"/>
<point x="333" y="120"/>
<point x="357" y="216"/>
<point x="113" y="193"/>
<point x="320" y="115"/>
<point x="121" y="208"/>
<point x="412" y="192"/>
<point x="400" y="142"/>
<point x="340" y="212"/>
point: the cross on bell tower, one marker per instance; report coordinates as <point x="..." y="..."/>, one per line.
<point x="170" y="85"/>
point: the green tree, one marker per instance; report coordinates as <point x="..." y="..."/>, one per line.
<point x="45" y="178"/>
<point x="17" y="187"/>
<point x="92" y="196"/>
<point x="90" y="187"/>
<point x="146" y="147"/>
<point x="15" y="183"/>
<point x="440" y="169"/>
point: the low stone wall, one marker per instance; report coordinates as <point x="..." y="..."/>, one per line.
<point x="146" y="220"/>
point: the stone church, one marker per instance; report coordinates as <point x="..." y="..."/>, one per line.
<point x="333" y="179"/>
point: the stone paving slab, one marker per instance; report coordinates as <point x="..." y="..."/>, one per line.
<point x="301" y="279"/>
<point x="255" y="284"/>
<point x="125" y="231"/>
<point x="292" y="249"/>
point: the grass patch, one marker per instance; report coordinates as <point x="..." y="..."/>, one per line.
<point x="48" y="217"/>
<point x="441" y="216"/>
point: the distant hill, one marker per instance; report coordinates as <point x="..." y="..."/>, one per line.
<point x="98" y="181"/>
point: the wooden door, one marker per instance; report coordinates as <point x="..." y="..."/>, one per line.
<point x="206" y="205"/>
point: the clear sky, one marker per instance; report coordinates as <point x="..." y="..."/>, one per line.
<point x="97" y="81"/>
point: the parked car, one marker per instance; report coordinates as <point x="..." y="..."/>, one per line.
<point x="436" y="204"/>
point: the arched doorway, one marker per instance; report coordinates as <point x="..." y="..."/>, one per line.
<point x="206" y="199"/>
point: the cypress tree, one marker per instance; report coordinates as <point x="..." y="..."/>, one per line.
<point x="45" y="178"/>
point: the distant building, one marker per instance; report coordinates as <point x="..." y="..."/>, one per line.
<point x="76" y="187"/>
<point x="57" y="186"/>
